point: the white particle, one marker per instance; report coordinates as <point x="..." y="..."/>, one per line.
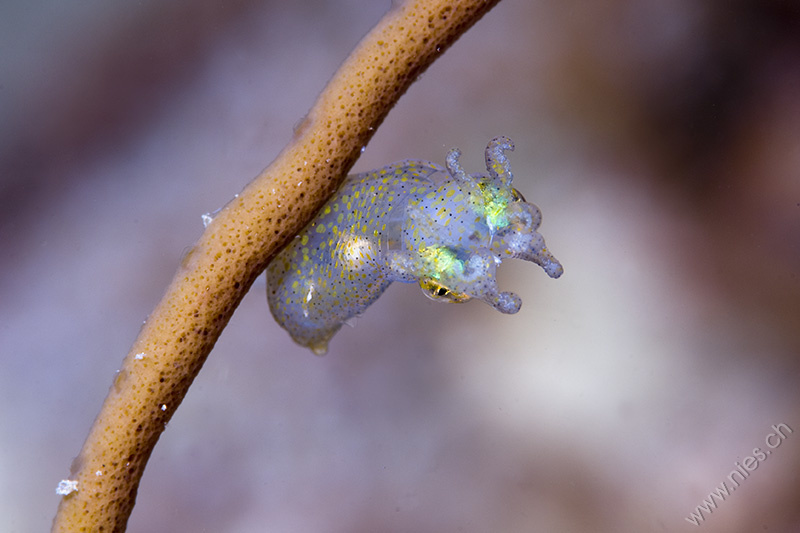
<point x="98" y="473"/>
<point x="66" y="486"/>
<point x="164" y="407"/>
<point x="209" y="217"/>
<point x="139" y="356"/>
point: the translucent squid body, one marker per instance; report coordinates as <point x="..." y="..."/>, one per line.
<point x="412" y="221"/>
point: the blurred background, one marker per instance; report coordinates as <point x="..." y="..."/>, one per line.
<point x="661" y="141"/>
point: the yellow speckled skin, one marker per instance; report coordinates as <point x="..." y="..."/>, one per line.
<point x="412" y="221"/>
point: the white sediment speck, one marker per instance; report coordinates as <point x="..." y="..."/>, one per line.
<point x="67" y="486"/>
<point x="139" y="356"/>
<point x="164" y="407"/>
<point x="208" y="218"/>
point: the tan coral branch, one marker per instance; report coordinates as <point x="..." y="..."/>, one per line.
<point x="235" y="249"/>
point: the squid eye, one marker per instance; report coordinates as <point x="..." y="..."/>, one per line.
<point x="517" y="196"/>
<point x="436" y="291"/>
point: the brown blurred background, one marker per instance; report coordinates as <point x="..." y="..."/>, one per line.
<point x="661" y="141"/>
